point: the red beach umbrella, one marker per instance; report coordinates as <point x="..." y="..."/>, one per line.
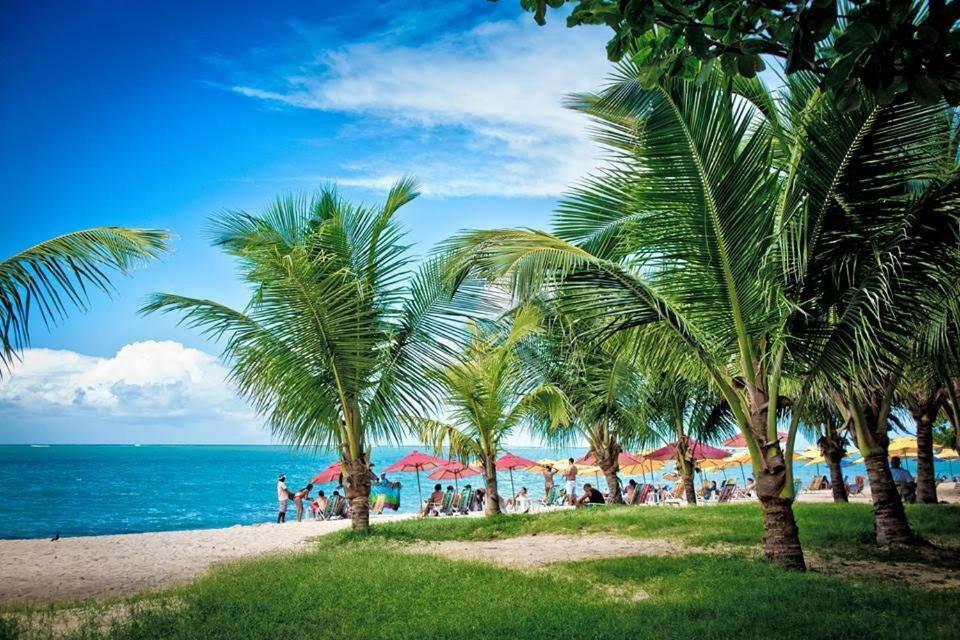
<point x="417" y="462"/>
<point x="738" y="441"/>
<point x="698" y="450"/>
<point x="509" y="462"/>
<point x="330" y="474"/>
<point x="454" y="471"/>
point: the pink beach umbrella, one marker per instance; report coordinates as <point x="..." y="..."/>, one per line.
<point x="416" y="462"/>
<point x="330" y="474"/>
<point x="509" y="462"/>
<point x="454" y="471"/>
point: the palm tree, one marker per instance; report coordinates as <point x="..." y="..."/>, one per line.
<point x="54" y="276"/>
<point x="823" y="424"/>
<point x="923" y="396"/>
<point x="680" y="410"/>
<point x="603" y="386"/>
<point x="331" y="345"/>
<point x="489" y="394"/>
<point x="726" y="219"/>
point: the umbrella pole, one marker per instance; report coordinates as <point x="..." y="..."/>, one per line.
<point x="455" y="483"/>
<point x="513" y="491"/>
<point x="419" y="492"/>
<point x="743" y="475"/>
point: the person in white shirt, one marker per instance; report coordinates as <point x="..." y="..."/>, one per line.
<point x="906" y="485"/>
<point x="283" y="495"/>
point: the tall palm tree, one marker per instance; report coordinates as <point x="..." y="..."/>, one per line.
<point x="604" y="388"/>
<point x="332" y="344"/>
<point x="56" y="275"/>
<point x="724" y="216"/>
<point x="489" y="394"/>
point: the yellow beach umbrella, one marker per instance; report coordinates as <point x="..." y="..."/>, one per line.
<point x="905" y="447"/>
<point x="642" y="468"/>
<point x="948" y="454"/>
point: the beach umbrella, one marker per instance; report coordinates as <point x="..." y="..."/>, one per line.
<point x="739" y="441"/>
<point x="454" y="470"/>
<point x="509" y="462"/>
<point x="698" y="451"/>
<point x="641" y="467"/>
<point x="330" y="474"/>
<point x="625" y="459"/>
<point x="416" y="462"/>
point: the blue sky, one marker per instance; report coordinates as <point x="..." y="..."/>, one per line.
<point x="161" y="114"/>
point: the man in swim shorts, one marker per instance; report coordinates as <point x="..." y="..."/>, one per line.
<point x="571" y="477"/>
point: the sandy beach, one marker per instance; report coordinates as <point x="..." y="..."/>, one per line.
<point x="117" y="565"/>
<point x="106" y="566"/>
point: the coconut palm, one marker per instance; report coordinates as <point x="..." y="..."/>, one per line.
<point x="726" y="218"/>
<point x="331" y="346"/>
<point x="681" y="410"/>
<point x="822" y="423"/>
<point x="603" y="386"/>
<point x="489" y="394"/>
<point x="57" y="275"/>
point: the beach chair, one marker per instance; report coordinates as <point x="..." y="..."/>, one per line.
<point x="549" y="499"/>
<point x="817" y="483"/>
<point x="466" y="499"/>
<point x="378" y="504"/>
<point x="339" y="508"/>
<point x="641" y="496"/>
<point x="559" y="497"/>
<point x="856" y="489"/>
<point x="446" y="507"/>
<point x="726" y="492"/>
<point x="673" y="500"/>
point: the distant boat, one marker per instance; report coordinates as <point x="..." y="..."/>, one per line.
<point x="40" y="446"/>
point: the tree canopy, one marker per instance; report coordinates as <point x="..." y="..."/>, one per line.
<point x="887" y="47"/>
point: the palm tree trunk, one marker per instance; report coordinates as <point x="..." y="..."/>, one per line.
<point x="832" y="446"/>
<point x="889" y="517"/>
<point x="491" y="504"/>
<point x="837" y="485"/>
<point x="357" y="490"/>
<point x="781" y="537"/>
<point x="609" y="463"/>
<point x="689" y="489"/>
<point x="926" y="479"/>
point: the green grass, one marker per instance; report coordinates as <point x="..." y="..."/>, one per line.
<point x="367" y="587"/>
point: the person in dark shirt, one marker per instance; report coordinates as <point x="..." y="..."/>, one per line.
<point x="590" y="496"/>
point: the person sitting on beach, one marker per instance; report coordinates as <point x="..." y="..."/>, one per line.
<point x="283" y="494"/>
<point x="478" y="500"/>
<point x="343" y="510"/>
<point x="664" y="492"/>
<point x="299" y="497"/>
<point x="631" y="492"/>
<point x="571" y="476"/>
<point x="434" y="502"/>
<point x="710" y="490"/>
<point x="590" y="496"/>
<point x="750" y="487"/>
<point x="906" y="485"/>
<point x="520" y="503"/>
<point x="319" y="505"/>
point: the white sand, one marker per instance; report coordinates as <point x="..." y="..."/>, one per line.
<point x="105" y="566"/>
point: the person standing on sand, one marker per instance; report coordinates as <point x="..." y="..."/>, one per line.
<point x="548" y="473"/>
<point x="571" y="476"/>
<point x="283" y="494"/>
<point x="299" y="497"/>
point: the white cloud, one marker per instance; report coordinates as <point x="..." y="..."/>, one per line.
<point x="490" y="99"/>
<point x="148" y="380"/>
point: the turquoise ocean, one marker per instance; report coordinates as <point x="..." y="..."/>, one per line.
<point x="81" y="490"/>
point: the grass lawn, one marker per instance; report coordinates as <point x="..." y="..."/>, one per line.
<point x="368" y="587"/>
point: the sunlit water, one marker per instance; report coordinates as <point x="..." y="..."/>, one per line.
<point x="95" y="490"/>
